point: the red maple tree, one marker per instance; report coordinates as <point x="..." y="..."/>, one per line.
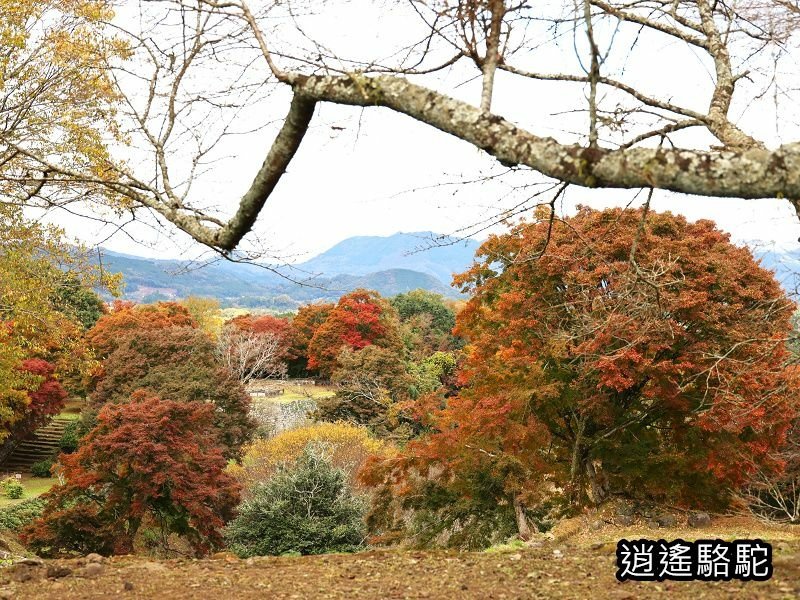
<point x="146" y="459"/>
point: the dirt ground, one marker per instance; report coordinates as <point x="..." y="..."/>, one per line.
<point x="577" y="565"/>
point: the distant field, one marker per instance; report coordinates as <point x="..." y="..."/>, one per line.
<point x="294" y="392"/>
<point x="34" y="486"/>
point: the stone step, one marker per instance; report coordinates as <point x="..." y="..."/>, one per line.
<point x="38" y="442"/>
<point x="35" y="447"/>
<point x="44" y="444"/>
<point x="51" y="431"/>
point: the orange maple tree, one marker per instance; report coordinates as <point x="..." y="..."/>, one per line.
<point x="128" y="316"/>
<point x="304" y="325"/>
<point x="360" y="319"/>
<point x="613" y="352"/>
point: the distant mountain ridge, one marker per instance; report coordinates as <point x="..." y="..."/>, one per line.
<point x="426" y="252"/>
<point x="389" y="265"/>
<point x="785" y="263"/>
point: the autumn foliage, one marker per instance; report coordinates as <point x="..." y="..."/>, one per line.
<point x="346" y="446"/>
<point x="607" y="356"/>
<point x="129" y="317"/>
<point x="146" y="459"/>
<point x="46" y="399"/>
<point x="262" y="324"/>
<point x="305" y="323"/>
<point x="360" y="319"/>
<point x="177" y="364"/>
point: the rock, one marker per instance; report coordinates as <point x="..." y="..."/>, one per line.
<point x="653" y="523"/>
<point x="597" y="524"/>
<point x="95" y="558"/>
<point x="557" y="553"/>
<point x="625" y="510"/>
<point x="666" y="520"/>
<point x="30" y="562"/>
<point x="57" y="571"/>
<point x="625" y="520"/>
<point x="127" y="586"/>
<point x="699" y="519"/>
<point x="92" y="569"/>
<point x="22" y="573"/>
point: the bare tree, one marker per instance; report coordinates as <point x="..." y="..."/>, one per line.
<point x="200" y="72"/>
<point x="774" y="495"/>
<point x="250" y="355"/>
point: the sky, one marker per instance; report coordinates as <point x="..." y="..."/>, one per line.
<point x="373" y="172"/>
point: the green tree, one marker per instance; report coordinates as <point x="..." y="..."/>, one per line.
<point x="423" y="302"/>
<point x="306" y="508"/>
<point x="78" y="302"/>
<point x="371" y="385"/>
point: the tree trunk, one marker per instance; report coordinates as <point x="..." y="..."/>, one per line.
<point x="575" y="471"/>
<point x="598" y="489"/>
<point x="523" y="528"/>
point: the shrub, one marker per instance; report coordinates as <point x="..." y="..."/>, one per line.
<point x="346" y="446"/>
<point x="775" y="495"/>
<point x="13" y="489"/>
<point x="305" y="508"/>
<point x="43" y="468"/>
<point x="17" y="516"/>
<point x="70" y="437"/>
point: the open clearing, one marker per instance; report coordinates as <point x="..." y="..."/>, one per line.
<point x="582" y="566"/>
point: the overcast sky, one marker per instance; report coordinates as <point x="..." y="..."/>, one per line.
<point x="373" y="172"/>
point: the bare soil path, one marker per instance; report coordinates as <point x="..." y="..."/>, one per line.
<point x="552" y="570"/>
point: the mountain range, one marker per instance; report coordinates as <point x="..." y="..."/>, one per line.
<point x="389" y="265"/>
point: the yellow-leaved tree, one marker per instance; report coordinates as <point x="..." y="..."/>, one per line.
<point x="36" y="320"/>
<point x="58" y="99"/>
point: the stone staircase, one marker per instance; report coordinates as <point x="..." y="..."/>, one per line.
<point x="43" y="444"/>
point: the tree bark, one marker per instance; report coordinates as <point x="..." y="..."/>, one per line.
<point x="523" y="528"/>
<point x="752" y="173"/>
<point x="598" y="490"/>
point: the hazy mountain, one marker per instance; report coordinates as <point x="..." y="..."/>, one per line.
<point x="425" y="252"/>
<point x="386" y="264"/>
<point x="390" y="265"/>
<point x="785" y="263"/>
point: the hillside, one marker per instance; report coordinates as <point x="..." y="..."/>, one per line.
<point x="389" y="265"/>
